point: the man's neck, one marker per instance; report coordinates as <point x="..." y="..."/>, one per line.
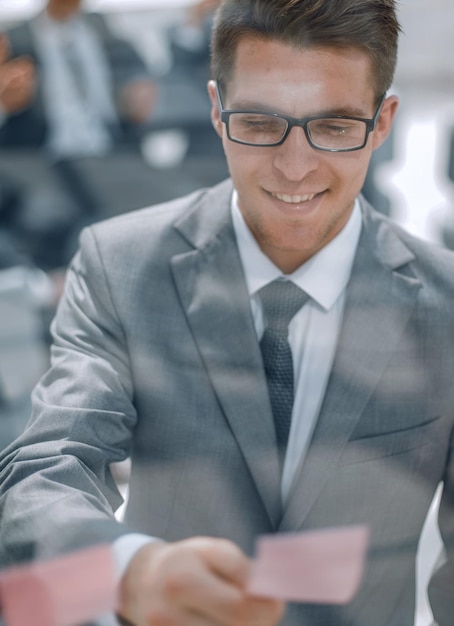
<point x="60" y="16"/>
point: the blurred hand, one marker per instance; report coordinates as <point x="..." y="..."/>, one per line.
<point x="195" y="582"/>
<point x="4" y="48"/>
<point x="17" y="80"/>
<point x="137" y="101"/>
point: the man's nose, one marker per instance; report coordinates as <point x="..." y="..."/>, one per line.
<point x="296" y="158"/>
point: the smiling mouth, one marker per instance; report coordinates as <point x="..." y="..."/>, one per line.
<point x="294" y="199"/>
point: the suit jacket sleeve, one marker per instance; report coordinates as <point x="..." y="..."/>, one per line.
<point x="56" y="490"/>
<point x="441" y="587"/>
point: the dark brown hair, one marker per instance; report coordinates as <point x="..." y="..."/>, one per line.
<point x="369" y="25"/>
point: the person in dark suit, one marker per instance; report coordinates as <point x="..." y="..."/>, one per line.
<point x="93" y="90"/>
<point x="164" y="340"/>
<point x="189" y="42"/>
<point x="16" y="89"/>
<point x="93" y="96"/>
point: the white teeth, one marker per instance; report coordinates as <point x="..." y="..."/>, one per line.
<point x="294" y="199"/>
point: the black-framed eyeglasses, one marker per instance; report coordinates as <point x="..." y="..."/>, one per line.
<point x="336" y="133"/>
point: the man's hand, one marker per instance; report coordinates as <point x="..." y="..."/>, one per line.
<point x="195" y="582"/>
<point x="17" y="80"/>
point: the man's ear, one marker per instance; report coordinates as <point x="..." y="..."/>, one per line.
<point x="215" y="113"/>
<point x="385" y="121"/>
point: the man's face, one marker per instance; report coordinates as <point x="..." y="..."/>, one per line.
<point x="294" y="198"/>
<point x="63" y="9"/>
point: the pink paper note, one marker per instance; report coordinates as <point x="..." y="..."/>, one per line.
<point x="66" y="591"/>
<point x="323" y="566"/>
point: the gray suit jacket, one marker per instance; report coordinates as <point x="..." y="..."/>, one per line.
<point x="156" y="357"/>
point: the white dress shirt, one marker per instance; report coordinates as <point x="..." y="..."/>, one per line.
<point x="313" y="336"/>
<point x="314" y="329"/>
<point x="78" y="122"/>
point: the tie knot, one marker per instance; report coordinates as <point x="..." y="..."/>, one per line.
<point x="281" y="300"/>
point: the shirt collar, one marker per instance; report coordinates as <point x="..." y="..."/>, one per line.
<point x="44" y="20"/>
<point x="323" y="277"/>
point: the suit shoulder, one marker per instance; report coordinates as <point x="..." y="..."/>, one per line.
<point x="99" y="23"/>
<point x="21" y="40"/>
<point x="429" y="253"/>
<point x="147" y="223"/>
<point x="426" y="261"/>
<point x="432" y="264"/>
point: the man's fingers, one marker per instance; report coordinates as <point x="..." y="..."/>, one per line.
<point x="212" y="598"/>
<point x="22" y="66"/>
<point x="192" y="582"/>
<point x="17" y="84"/>
<point x="4" y="48"/>
<point x="223" y="558"/>
<point x="213" y="586"/>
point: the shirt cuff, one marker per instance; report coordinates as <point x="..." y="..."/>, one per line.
<point x="126" y="547"/>
<point x="123" y="549"/>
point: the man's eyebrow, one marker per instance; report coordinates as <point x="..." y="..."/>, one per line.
<point x="249" y="105"/>
<point x="347" y="111"/>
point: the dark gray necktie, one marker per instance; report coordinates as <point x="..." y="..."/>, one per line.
<point x="74" y="63"/>
<point x="281" y="300"/>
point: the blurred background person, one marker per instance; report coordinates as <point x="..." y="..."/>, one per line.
<point x="92" y="96"/>
<point x="28" y="295"/>
<point x="17" y="84"/>
<point x="94" y="91"/>
<point x="19" y="237"/>
<point x="102" y="132"/>
<point x="189" y="41"/>
<point x="189" y="49"/>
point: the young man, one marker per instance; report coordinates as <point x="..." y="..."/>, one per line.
<point x="163" y="339"/>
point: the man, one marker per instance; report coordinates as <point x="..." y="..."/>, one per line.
<point x="162" y="337"/>
<point x="94" y="91"/>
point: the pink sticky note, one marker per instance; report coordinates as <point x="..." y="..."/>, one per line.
<point x="65" y="591"/>
<point x="324" y="566"/>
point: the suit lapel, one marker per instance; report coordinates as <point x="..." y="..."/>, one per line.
<point x="213" y="293"/>
<point x="379" y="302"/>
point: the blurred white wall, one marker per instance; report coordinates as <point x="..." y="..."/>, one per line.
<point x="17" y="9"/>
